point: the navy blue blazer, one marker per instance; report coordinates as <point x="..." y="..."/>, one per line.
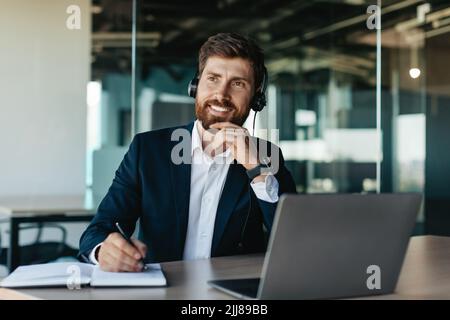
<point x="150" y="187"/>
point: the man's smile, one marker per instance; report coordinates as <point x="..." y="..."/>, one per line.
<point x="218" y="111"/>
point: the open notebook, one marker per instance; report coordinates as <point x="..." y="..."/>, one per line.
<point x="65" y="274"/>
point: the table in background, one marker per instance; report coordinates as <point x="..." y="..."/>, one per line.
<point x="41" y="209"/>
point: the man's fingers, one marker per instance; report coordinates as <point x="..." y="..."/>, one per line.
<point x="116" y="255"/>
<point x="228" y="136"/>
<point x="123" y="245"/>
<point x="236" y="132"/>
<point x="224" y="140"/>
<point x="122" y="258"/>
<point x="123" y="264"/>
<point x="235" y="140"/>
<point x="142" y="248"/>
<point x="221" y="125"/>
<point x="111" y="264"/>
<point x="227" y="128"/>
<point x="107" y="263"/>
<point x="234" y="135"/>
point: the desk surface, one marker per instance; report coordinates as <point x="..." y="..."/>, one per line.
<point x="21" y="206"/>
<point x="425" y="275"/>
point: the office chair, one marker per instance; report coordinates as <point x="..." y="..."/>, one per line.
<point x="39" y="251"/>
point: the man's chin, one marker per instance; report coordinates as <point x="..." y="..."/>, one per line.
<point x="208" y="120"/>
<point x="206" y="124"/>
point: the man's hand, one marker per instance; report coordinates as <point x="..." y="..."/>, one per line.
<point x="117" y="255"/>
<point x="239" y="141"/>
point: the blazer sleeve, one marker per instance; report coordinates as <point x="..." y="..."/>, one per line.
<point x="286" y="185"/>
<point x="122" y="202"/>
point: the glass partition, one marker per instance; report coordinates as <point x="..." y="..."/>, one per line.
<point x="355" y="108"/>
<point x="109" y="92"/>
<point x="416" y="86"/>
<point x="322" y="94"/>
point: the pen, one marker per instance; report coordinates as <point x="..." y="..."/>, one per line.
<point x="85" y="259"/>
<point x="130" y="242"/>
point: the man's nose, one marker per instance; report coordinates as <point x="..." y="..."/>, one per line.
<point x="223" y="92"/>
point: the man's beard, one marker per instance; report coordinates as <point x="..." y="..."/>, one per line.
<point x="207" y="119"/>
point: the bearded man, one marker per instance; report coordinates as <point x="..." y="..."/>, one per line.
<point x="218" y="195"/>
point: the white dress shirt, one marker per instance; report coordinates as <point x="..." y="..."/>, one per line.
<point x="208" y="177"/>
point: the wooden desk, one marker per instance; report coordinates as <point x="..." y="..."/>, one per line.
<point x="41" y="209"/>
<point x="425" y="275"/>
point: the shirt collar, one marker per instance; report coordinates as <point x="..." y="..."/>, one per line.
<point x="196" y="141"/>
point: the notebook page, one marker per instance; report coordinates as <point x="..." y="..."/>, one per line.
<point x="49" y="274"/>
<point x="153" y="276"/>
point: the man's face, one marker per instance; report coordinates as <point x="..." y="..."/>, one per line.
<point x="224" y="91"/>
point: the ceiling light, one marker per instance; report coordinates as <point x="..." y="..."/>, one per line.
<point x="96" y="9"/>
<point x="414" y="73"/>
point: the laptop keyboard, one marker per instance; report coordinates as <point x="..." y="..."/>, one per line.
<point x="246" y="287"/>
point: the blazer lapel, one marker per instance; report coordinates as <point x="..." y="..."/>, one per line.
<point x="181" y="182"/>
<point x="234" y="184"/>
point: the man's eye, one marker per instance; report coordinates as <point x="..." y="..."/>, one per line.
<point x="212" y="79"/>
<point x="239" y="84"/>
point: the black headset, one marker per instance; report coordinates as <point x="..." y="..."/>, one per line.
<point x="258" y="101"/>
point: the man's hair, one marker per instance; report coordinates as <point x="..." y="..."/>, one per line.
<point x="233" y="45"/>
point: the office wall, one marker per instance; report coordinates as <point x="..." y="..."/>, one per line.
<point x="44" y="70"/>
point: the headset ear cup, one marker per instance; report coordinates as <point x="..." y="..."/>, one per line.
<point x="262" y="101"/>
<point x="259" y="99"/>
<point x="192" y="88"/>
<point x="259" y="102"/>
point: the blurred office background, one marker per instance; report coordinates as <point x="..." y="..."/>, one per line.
<point x="355" y="113"/>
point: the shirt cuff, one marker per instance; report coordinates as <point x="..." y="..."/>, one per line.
<point x="92" y="254"/>
<point x="266" y="190"/>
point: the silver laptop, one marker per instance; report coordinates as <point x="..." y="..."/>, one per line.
<point x="332" y="246"/>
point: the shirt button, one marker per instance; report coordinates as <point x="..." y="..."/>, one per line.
<point x="203" y="235"/>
